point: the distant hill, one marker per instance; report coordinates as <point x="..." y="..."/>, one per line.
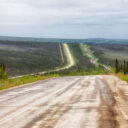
<point x="57" y="40"/>
<point x="31" y="39"/>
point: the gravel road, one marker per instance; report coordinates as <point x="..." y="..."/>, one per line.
<point x="66" y="102"/>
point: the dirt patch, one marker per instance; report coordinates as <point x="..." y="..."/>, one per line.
<point x="119" y="91"/>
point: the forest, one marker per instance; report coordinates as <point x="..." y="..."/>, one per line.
<point x="28" y="57"/>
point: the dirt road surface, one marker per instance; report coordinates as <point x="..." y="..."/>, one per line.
<point x="66" y="102"/>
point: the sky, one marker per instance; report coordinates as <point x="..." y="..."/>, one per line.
<point x="64" y="18"/>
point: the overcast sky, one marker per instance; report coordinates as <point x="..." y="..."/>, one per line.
<point x="64" y="18"/>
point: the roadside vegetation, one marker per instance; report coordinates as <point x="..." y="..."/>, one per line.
<point x="77" y="72"/>
<point x="123" y="77"/>
<point x="3" y="74"/>
<point x="8" y="83"/>
<point x="121" y="69"/>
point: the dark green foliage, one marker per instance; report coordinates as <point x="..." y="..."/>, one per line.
<point x="29" y="57"/>
<point x="82" y="62"/>
<point x="78" y="68"/>
<point x="3" y="74"/>
<point x="119" y="67"/>
<point x="124" y="67"/>
<point x="3" y="67"/>
<point x="127" y="66"/>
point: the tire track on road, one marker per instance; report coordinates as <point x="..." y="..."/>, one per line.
<point x="54" y="113"/>
<point x="73" y="102"/>
<point x="34" y="101"/>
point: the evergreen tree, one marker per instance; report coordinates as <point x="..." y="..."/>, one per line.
<point x="3" y="67"/>
<point x="116" y="66"/>
<point x="121" y="67"/>
<point x="124" y="68"/>
<point x="127" y="67"/>
<point x="3" y="74"/>
<point x="78" y="68"/>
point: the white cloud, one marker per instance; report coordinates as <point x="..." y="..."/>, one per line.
<point x="64" y="18"/>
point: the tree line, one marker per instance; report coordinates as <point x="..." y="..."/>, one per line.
<point x="121" y="66"/>
<point x="3" y="74"/>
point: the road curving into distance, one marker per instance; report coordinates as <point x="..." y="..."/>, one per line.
<point x="66" y="102"/>
<point x="70" y="59"/>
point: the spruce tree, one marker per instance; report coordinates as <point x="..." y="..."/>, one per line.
<point x="121" y="67"/>
<point x="124" y="68"/>
<point x="3" y="74"/>
<point x="116" y="66"/>
<point x="3" y="67"/>
<point x="127" y="67"/>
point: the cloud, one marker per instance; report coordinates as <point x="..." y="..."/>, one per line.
<point x="64" y="18"/>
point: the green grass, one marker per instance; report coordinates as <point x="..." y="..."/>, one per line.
<point x="82" y="73"/>
<point x="75" y="72"/>
<point x="122" y="76"/>
<point x="9" y="83"/>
